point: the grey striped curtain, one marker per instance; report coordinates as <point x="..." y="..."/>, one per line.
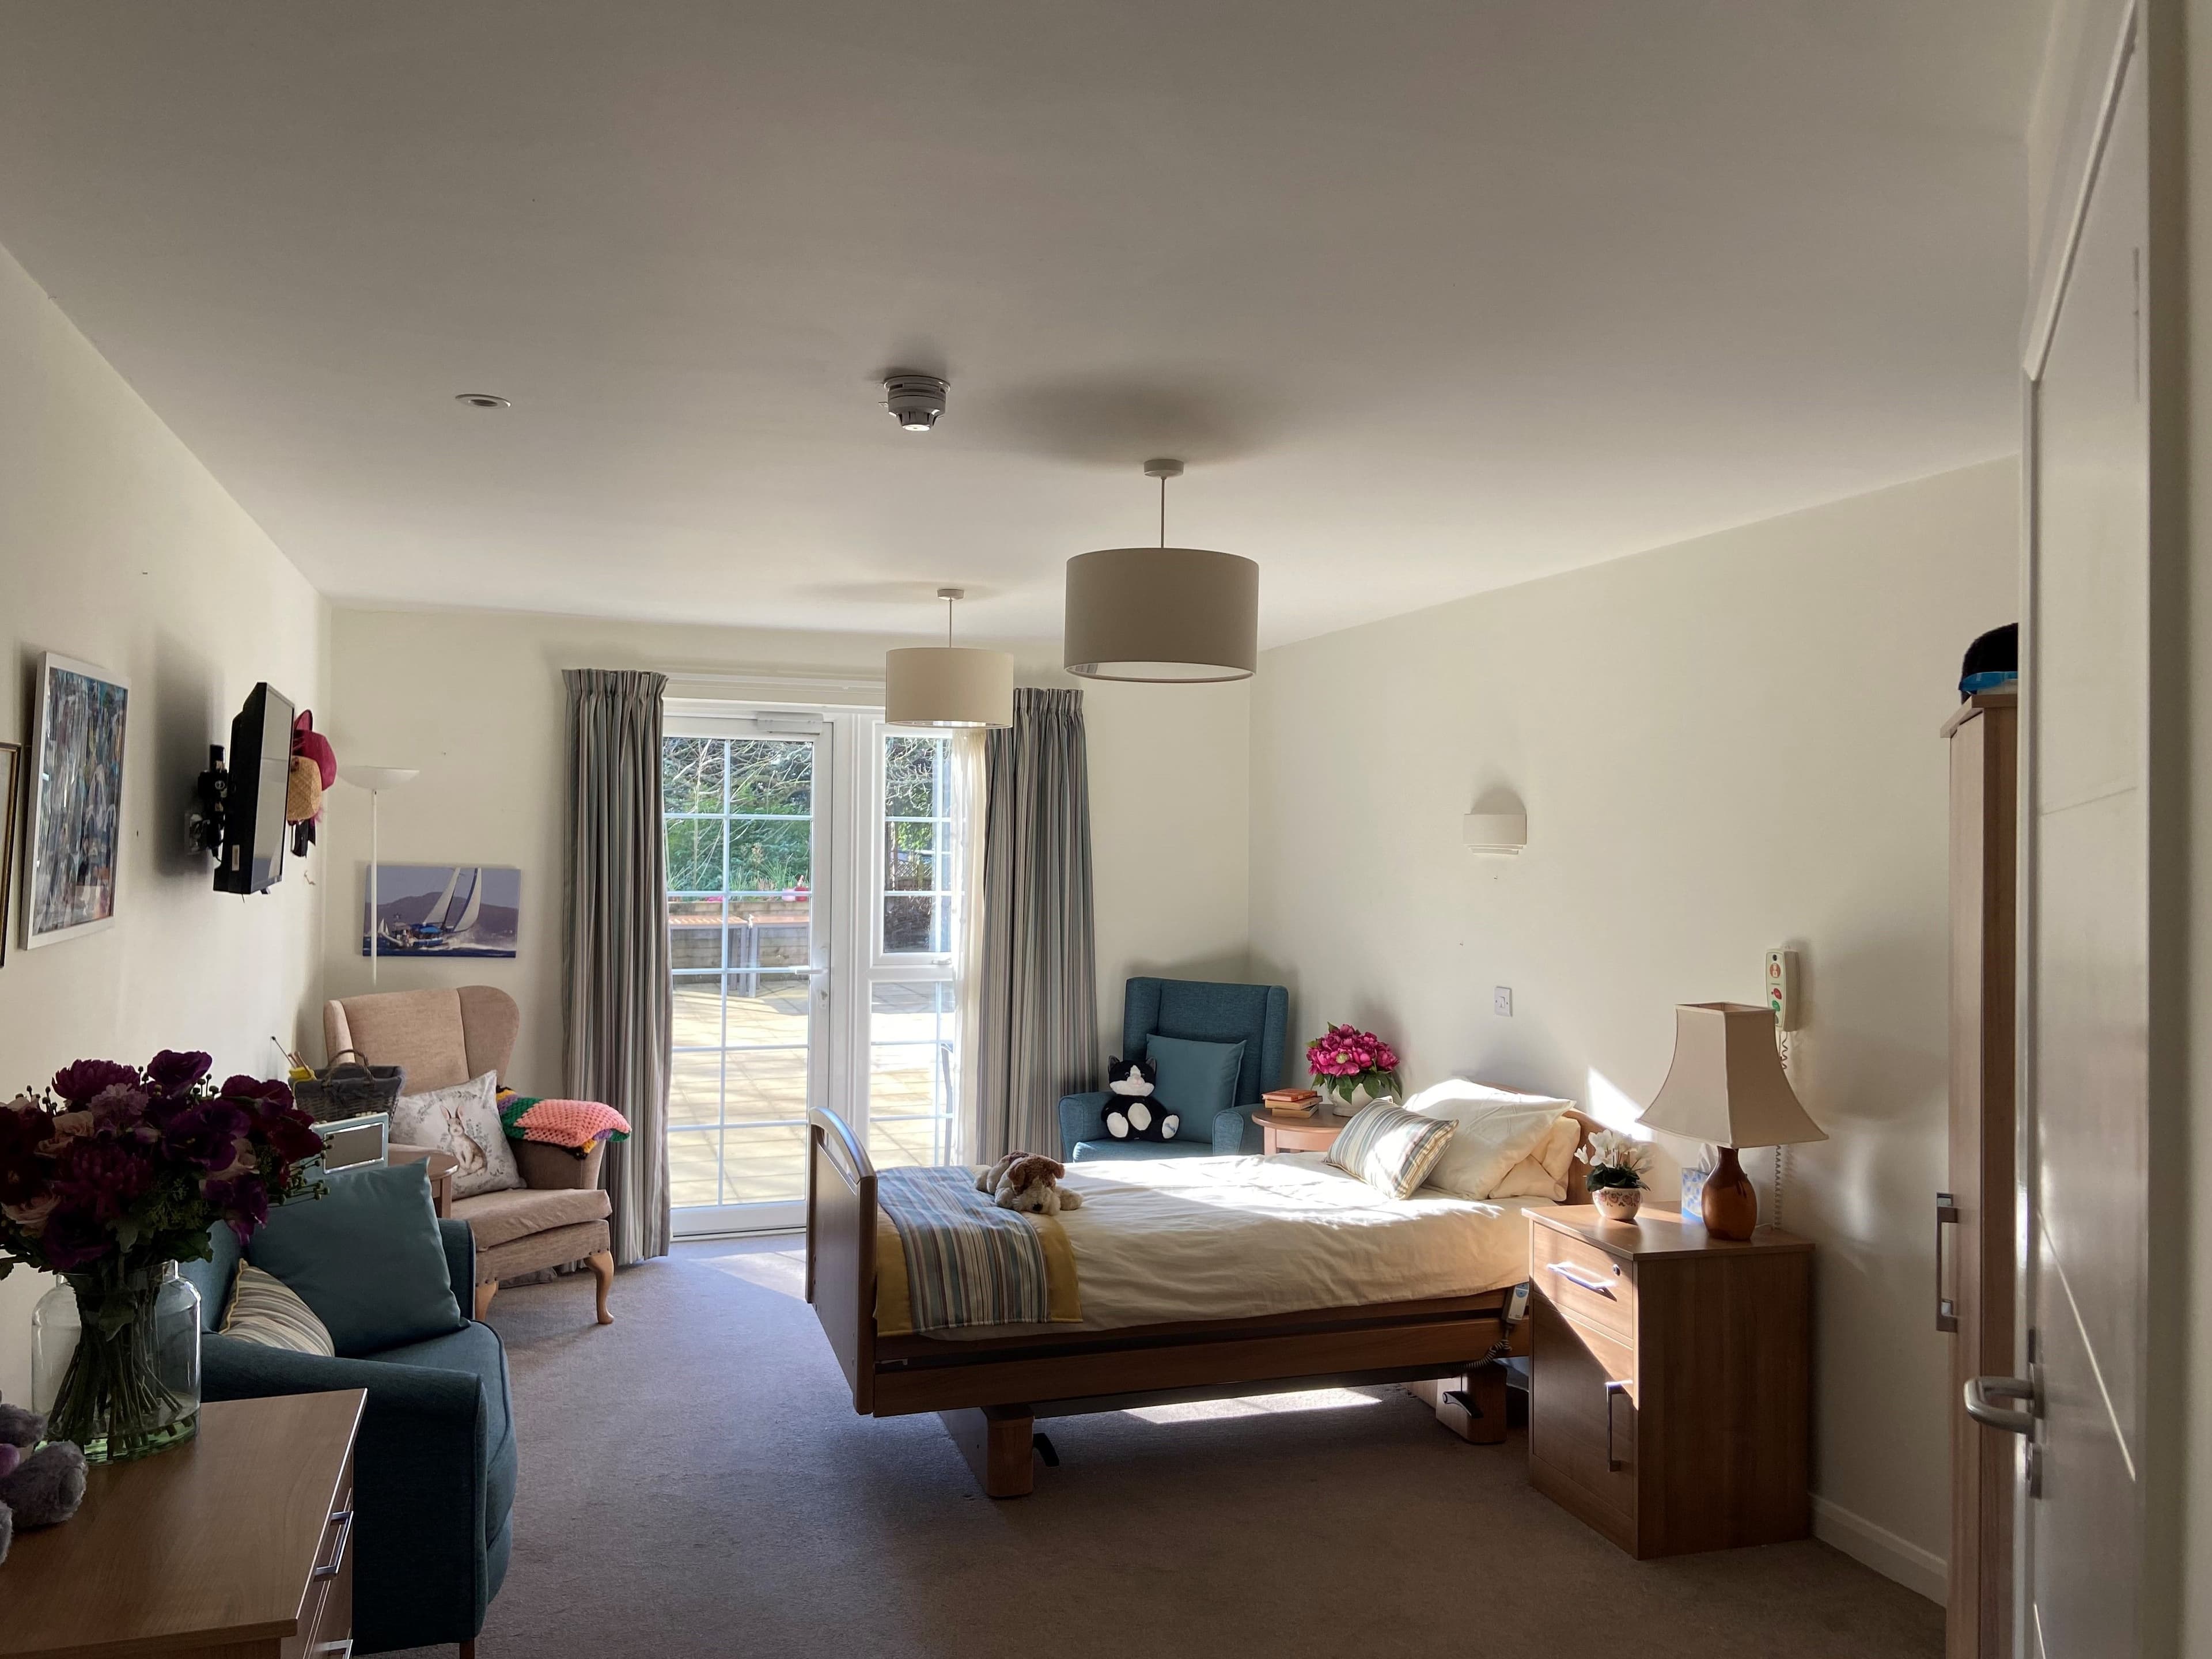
<point x="614" y="958"/>
<point x="1037" y="1030"/>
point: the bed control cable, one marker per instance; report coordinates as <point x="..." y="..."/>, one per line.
<point x="1516" y="1310"/>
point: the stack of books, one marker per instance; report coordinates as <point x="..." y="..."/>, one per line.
<point x="1291" y="1102"/>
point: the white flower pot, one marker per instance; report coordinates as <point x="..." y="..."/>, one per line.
<point x="1618" y="1203"/>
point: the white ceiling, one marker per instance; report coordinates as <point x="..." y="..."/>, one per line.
<point x="1431" y="296"/>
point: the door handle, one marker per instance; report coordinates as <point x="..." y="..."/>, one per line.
<point x="1947" y="1215"/>
<point x="1612" y="1392"/>
<point x="1982" y="1393"/>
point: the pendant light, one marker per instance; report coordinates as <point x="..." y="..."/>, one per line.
<point x="948" y="685"/>
<point x="1162" y="614"/>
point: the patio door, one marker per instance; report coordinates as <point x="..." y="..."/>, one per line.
<point x="811" y="917"/>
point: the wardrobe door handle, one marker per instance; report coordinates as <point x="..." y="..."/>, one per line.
<point x="1613" y="1391"/>
<point x="1947" y="1215"/>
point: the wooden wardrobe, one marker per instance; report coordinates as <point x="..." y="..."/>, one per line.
<point x="1974" y="1275"/>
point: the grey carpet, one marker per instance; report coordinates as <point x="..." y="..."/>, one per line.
<point x="695" y="1481"/>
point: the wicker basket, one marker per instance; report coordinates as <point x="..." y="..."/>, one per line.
<point x="347" y="1088"/>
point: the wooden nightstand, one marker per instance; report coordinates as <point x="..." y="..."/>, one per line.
<point x="1299" y="1135"/>
<point x="232" y="1545"/>
<point x="1670" y="1399"/>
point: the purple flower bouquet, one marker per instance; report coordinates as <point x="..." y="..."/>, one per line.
<point x="109" y="1178"/>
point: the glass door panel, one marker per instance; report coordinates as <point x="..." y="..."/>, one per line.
<point x="743" y="840"/>
<point x="912" y="1054"/>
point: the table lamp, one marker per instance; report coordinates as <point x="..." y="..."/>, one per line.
<point x="1727" y="1086"/>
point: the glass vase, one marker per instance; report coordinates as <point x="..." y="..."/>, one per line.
<point x="115" y="1361"/>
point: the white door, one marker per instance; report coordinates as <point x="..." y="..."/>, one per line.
<point x="2086" y="919"/>
<point x="749" y="803"/>
<point x="811" y="918"/>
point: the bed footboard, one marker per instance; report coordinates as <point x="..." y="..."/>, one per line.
<point x="841" y="1248"/>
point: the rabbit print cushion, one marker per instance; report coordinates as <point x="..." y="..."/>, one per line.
<point x="462" y="1121"/>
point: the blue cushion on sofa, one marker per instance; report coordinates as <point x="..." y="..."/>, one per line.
<point x="1196" y="1081"/>
<point x="366" y="1256"/>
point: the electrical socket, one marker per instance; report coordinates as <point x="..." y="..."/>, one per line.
<point x="1501" y="1000"/>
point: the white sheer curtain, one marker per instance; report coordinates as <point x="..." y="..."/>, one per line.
<point x="966" y="752"/>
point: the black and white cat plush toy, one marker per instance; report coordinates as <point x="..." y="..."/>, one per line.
<point x="1133" y="1113"/>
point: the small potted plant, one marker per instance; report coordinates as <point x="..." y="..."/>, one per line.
<point x="1354" y="1065"/>
<point x="1617" y="1168"/>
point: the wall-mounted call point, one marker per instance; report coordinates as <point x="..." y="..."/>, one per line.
<point x="1782" y="988"/>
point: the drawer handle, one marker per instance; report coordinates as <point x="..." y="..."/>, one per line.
<point x="1594" y="1286"/>
<point x="1612" y="1392"/>
<point x="342" y="1520"/>
<point x="343" y="1649"/>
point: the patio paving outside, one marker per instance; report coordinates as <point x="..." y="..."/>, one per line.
<point x="738" y="1094"/>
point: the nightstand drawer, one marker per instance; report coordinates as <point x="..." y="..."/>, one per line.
<point x="1585" y="1281"/>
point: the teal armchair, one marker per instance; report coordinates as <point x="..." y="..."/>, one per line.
<point x="433" y="1467"/>
<point x="1257" y="1016"/>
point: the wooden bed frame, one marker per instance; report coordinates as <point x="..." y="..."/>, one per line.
<point x="990" y="1393"/>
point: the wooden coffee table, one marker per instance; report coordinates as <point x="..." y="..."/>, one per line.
<point x="1299" y="1135"/>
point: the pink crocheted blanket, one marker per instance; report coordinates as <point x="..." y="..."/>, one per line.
<point x="578" y="1125"/>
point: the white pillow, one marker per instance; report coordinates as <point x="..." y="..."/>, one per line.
<point x="1543" y="1173"/>
<point x="462" y="1121"/>
<point x="1497" y="1130"/>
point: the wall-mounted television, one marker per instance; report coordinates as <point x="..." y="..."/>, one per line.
<point x="252" y="856"/>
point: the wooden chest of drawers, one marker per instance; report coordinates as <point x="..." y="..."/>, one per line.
<point x="235" y="1546"/>
<point x="1670" y="1401"/>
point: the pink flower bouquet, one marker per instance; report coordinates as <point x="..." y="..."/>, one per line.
<point x="1345" y="1059"/>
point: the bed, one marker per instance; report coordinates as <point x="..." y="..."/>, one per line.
<point x="1377" y="1275"/>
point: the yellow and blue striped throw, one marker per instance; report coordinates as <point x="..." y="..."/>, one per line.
<point x="1390" y="1148"/>
<point x="263" y="1308"/>
<point x="967" y="1262"/>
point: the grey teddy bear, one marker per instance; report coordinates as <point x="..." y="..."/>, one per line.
<point x="39" y="1488"/>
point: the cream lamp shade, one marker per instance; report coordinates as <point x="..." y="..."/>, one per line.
<point x="1162" y="614"/>
<point x="1726" y="1084"/>
<point x="948" y="685"/>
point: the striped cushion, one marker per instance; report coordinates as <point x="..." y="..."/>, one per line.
<point x="263" y="1308"/>
<point x="1390" y="1148"/>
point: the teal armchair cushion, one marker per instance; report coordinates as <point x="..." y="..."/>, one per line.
<point x="1194" y="1080"/>
<point x="367" y="1257"/>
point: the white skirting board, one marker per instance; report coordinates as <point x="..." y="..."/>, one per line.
<point x="1916" y="1568"/>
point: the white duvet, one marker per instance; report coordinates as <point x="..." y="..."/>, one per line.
<point x="1188" y="1238"/>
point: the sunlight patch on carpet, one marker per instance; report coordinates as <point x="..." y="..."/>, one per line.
<point x="1261" y="1404"/>
<point x="783" y="1272"/>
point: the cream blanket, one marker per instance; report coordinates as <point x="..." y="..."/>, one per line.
<point x="1166" y="1240"/>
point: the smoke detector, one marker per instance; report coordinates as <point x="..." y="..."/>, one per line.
<point x="914" y="400"/>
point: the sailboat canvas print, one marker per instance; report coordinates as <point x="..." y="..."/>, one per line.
<point x="443" y="910"/>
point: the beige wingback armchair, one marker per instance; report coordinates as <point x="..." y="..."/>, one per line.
<point x="448" y="1036"/>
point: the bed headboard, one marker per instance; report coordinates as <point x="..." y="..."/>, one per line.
<point x="1578" y="1171"/>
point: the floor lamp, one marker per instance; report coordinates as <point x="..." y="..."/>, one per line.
<point x="376" y="780"/>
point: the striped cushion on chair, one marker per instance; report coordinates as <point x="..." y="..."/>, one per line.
<point x="263" y="1308"/>
<point x="1390" y="1148"/>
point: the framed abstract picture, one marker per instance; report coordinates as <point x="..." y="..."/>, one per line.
<point x="11" y="796"/>
<point x="76" y="816"/>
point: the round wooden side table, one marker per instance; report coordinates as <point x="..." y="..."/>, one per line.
<point x="1299" y="1135"/>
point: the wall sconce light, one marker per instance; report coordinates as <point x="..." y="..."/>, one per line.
<point x="1495" y="834"/>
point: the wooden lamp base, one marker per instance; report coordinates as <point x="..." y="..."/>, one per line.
<point x="1731" y="1205"/>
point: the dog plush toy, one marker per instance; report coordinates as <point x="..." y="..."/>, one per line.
<point x="39" y="1488"/>
<point x="1029" y="1181"/>
<point x="1134" y="1114"/>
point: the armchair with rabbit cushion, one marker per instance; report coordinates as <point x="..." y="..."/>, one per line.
<point x="1197" y="1011"/>
<point x="558" y="1216"/>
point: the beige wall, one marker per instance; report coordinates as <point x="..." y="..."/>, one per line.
<point x="1721" y="746"/>
<point x="117" y="548"/>
<point x="475" y="700"/>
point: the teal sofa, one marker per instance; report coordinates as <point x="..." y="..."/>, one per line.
<point x="1202" y="1010"/>
<point x="433" y="1467"/>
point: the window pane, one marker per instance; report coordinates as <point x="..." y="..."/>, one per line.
<point x="910" y="926"/>
<point x="695" y="935"/>
<point x="771" y="856"/>
<point x="910" y="772"/>
<point x="695" y="855"/>
<point x="913" y="1051"/>
<point x="691" y="775"/>
<point x="768" y="776"/>
<point x="695" y="1088"/>
<point x="762" y="1165"/>
<point x="908" y="868"/>
<point x="694" y="1167"/>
